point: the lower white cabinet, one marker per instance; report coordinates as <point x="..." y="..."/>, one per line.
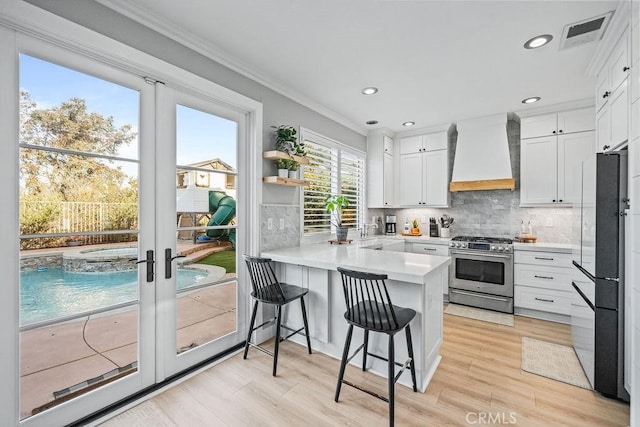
<point x="542" y="285"/>
<point x="430" y="249"/>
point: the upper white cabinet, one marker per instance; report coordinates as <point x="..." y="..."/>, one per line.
<point x="571" y="121"/>
<point x="612" y="97"/>
<point x="379" y="171"/>
<point x="424" y="170"/>
<point x="548" y="162"/>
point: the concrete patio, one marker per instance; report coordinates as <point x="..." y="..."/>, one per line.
<point x="59" y="356"/>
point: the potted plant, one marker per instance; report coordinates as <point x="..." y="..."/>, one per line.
<point x="415" y="230"/>
<point x="293" y="169"/>
<point x="283" y="168"/>
<point x="287" y="141"/>
<point x="335" y="204"/>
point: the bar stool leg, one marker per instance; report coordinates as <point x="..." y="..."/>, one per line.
<point x="253" y="320"/>
<point x="365" y="349"/>
<point x="391" y="374"/>
<point x="343" y="363"/>
<point x="306" y="323"/>
<point x="275" y="353"/>
<point x="410" y="349"/>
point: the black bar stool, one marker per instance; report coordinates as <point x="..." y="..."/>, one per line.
<point x="268" y="290"/>
<point x="369" y="307"/>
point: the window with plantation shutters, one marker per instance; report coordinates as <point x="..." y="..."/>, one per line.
<point x="332" y="169"/>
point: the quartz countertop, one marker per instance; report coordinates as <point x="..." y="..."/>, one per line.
<point x="402" y="266"/>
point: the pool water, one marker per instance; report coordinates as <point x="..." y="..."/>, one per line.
<point x="54" y="293"/>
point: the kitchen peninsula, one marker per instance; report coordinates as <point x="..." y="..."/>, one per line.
<point x="415" y="281"/>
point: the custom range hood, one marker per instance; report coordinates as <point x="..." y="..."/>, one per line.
<point x="482" y="159"/>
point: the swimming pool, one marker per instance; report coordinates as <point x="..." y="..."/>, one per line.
<point x="54" y="292"/>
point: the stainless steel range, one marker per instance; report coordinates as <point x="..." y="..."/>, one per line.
<point x="481" y="272"/>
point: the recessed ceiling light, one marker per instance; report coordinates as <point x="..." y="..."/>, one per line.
<point x="372" y="122"/>
<point x="408" y="123"/>
<point x="531" y="100"/>
<point x="538" y="41"/>
<point x="369" y="90"/>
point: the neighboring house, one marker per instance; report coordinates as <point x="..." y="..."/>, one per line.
<point x="212" y="180"/>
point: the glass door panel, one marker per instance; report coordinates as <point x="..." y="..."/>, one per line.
<point x="81" y="295"/>
<point x="205" y="230"/>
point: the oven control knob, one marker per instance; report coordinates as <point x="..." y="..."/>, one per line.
<point x="458" y="245"/>
<point x="500" y="248"/>
<point x="494" y="247"/>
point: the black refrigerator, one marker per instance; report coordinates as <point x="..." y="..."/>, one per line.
<point x="598" y="304"/>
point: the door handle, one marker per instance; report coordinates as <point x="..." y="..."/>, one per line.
<point x="150" y="262"/>
<point x="167" y="262"/>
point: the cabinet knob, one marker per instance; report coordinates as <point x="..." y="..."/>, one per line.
<point x="606" y="94"/>
<point x="625" y="68"/>
<point x="553" y="131"/>
<point x="605" y="147"/>
<point x="554" y="200"/>
<point x="560" y="131"/>
<point x="560" y="200"/>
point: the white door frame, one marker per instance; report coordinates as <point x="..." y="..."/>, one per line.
<point x="18" y="19"/>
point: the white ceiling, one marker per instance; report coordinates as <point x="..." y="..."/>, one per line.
<point x="434" y="62"/>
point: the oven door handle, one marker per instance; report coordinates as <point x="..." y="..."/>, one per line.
<point x="480" y="254"/>
<point x="473" y="294"/>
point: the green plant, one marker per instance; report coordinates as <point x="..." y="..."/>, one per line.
<point x="293" y="165"/>
<point x="282" y="164"/>
<point x="287" y="141"/>
<point x="335" y="203"/>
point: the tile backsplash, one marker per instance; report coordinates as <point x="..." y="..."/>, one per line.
<point x="494" y="212"/>
<point x="277" y="238"/>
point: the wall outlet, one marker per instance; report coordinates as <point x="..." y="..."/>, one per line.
<point x="423" y="220"/>
<point x="549" y="221"/>
<point x="269" y="224"/>
<point x="281" y="223"/>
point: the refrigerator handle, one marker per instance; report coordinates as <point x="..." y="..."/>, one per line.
<point x="585" y="272"/>
<point x="584" y="297"/>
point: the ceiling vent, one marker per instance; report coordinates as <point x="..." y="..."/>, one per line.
<point x="585" y="31"/>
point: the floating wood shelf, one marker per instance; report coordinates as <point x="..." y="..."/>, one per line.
<point x="489" y="184"/>
<point x="284" y="181"/>
<point x="281" y="155"/>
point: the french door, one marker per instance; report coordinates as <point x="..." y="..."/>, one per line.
<point x="132" y="215"/>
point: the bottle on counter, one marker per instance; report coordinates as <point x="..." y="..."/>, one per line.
<point x="407" y="227"/>
<point x="529" y="228"/>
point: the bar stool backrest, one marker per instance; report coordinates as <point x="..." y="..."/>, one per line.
<point x="367" y="300"/>
<point x="263" y="279"/>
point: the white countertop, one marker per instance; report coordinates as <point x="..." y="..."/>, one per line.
<point x="402" y="266"/>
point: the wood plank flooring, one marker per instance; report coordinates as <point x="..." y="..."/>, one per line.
<point x="479" y="382"/>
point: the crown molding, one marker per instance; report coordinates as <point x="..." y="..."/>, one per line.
<point x="425" y="130"/>
<point x="617" y="25"/>
<point x="571" y="105"/>
<point x="152" y="20"/>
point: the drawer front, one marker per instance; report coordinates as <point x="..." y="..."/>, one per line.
<point x="422" y="248"/>
<point x="556" y="278"/>
<point x="542" y="299"/>
<point x="543" y="258"/>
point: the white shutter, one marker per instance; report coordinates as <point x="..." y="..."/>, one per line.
<point x="352" y="175"/>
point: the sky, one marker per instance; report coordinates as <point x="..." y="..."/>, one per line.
<point x="200" y="136"/>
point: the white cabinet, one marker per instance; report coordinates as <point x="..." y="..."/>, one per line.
<point x="379" y="171"/>
<point x="548" y="167"/>
<point x="424" y="171"/>
<point x="548" y="162"/>
<point x="562" y="122"/>
<point x="542" y="285"/>
<point x="612" y="98"/>
<point x="430" y="249"/>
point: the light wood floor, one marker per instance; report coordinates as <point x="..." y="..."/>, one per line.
<point x="479" y="374"/>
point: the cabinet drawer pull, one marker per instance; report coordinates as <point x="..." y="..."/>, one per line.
<point x="544" y="258"/>
<point x="429" y="249"/>
<point x="543" y="277"/>
<point x="543" y="299"/>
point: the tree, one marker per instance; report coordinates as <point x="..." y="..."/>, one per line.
<point x="51" y="175"/>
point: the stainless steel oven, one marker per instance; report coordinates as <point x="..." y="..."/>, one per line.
<point x="482" y="272"/>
